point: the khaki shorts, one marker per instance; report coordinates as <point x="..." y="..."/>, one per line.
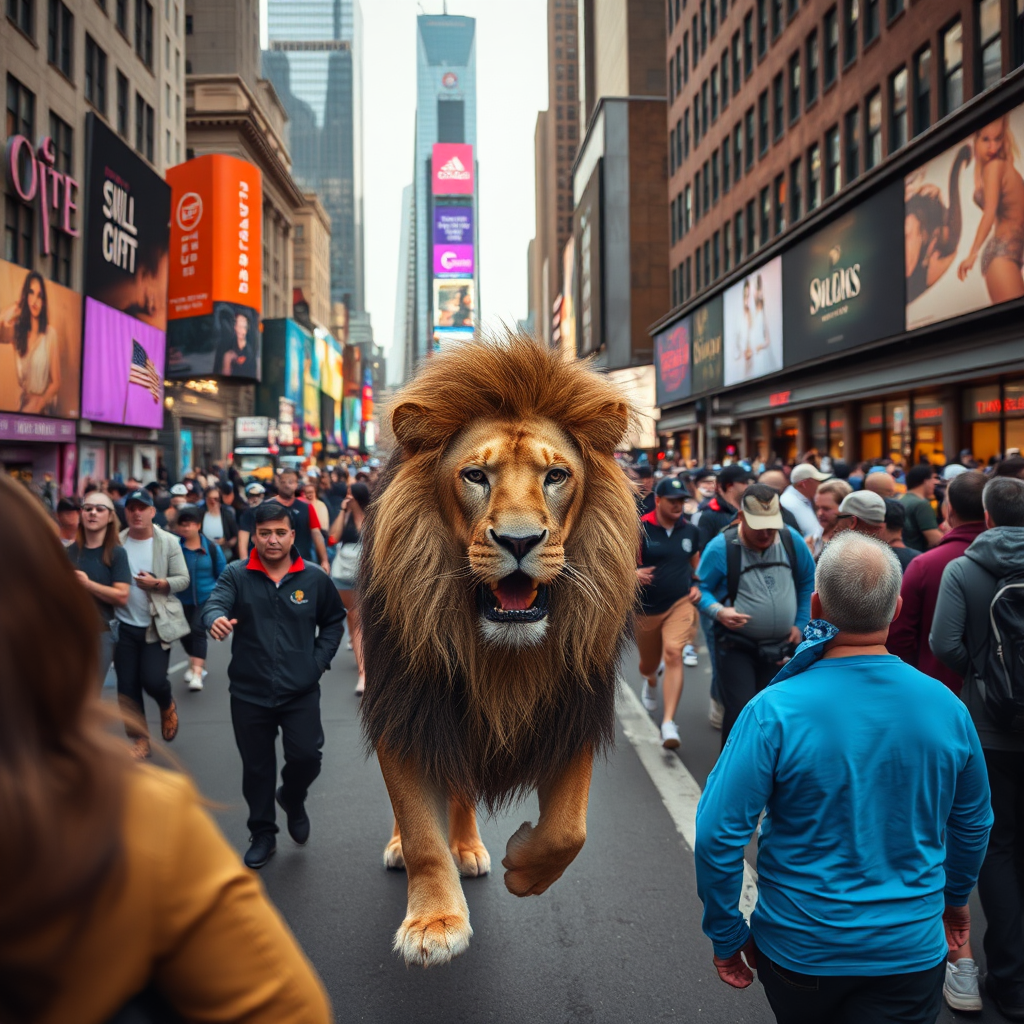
<point x="669" y="631"/>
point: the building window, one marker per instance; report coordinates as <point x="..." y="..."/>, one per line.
<point x="95" y="75"/>
<point x="688" y="209"/>
<point x="852" y="143"/>
<point x="121" y="16"/>
<point x="714" y="19"/>
<point x="765" y="206"/>
<point x="726" y="247"/>
<point x="22" y="13"/>
<point x="144" y="31"/>
<point x="682" y="57"/>
<point x="796" y="192"/>
<point x="792" y="6"/>
<point x="922" y="90"/>
<point x="989" y="62"/>
<point x="714" y="94"/>
<point x="705" y="120"/>
<point x="673" y="211"/>
<point x="748" y="44"/>
<point x="873" y="152"/>
<point x="707" y="263"/>
<point x="698" y="269"/>
<point x="725" y="80"/>
<point x="21" y="110"/>
<point x="715" y="178"/>
<point x="19" y="218"/>
<point x="686" y="133"/>
<point x="794" y="87"/>
<point x="894" y="7"/>
<point x="736" y="66"/>
<point x="60" y="37"/>
<point x="706" y="198"/>
<point x="778" y="107"/>
<point x="703" y="26"/>
<point x="737" y="236"/>
<point x="831" y="70"/>
<point x="952" y="68"/>
<point x="716" y="253"/>
<point x="696" y="197"/>
<point x="144" y="125"/>
<point x="779" y="187"/>
<point x="695" y="36"/>
<point x="813" y="177"/>
<point x="811" y="82"/>
<point x="762" y="28"/>
<point x="748" y="122"/>
<point x="762" y="123"/>
<point x="696" y="119"/>
<point x="851" y="19"/>
<point x="776" y="18"/>
<point x="833" y="171"/>
<point x="898" y="110"/>
<point x="63" y="144"/>
<point x="751" y="228"/>
<point x="122" y="105"/>
<point x="726" y="166"/>
<point x="737" y="152"/>
<point x="871" y="26"/>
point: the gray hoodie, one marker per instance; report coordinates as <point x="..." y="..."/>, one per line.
<point x="961" y="629"/>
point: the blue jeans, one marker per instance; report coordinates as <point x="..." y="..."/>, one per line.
<point x="709" y="636"/>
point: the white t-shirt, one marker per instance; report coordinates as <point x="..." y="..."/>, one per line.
<point x="803" y="509"/>
<point x="140" y="559"/>
<point x="213" y="526"/>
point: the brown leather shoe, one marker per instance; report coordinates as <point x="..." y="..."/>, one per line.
<point x="169" y="722"/>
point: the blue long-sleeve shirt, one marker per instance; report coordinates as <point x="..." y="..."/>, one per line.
<point x="204" y="567"/>
<point x="877" y="814"/>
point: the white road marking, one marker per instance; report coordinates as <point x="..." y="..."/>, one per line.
<point x="178" y="666"/>
<point x="677" y="788"/>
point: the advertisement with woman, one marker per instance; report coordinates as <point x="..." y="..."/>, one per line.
<point x="753" y="325"/>
<point x="40" y="344"/>
<point x="963" y="225"/>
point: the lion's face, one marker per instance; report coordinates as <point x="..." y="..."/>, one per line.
<point x="518" y="487"/>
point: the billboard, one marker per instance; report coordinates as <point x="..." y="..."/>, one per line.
<point x="453" y="261"/>
<point x="451" y="169"/>
<point x="226" y="343"/>
<point x="444" y="340"/>
<point x="672" y="363"/>
<point x="123" y="369"/>
<point x="752" y="314"/>
<point x="840" y="286"/>
<point x="706" y="346"/>
<point x="127" y="214"/>
<point x="453" y="225"/>
<point x="454" y="304"/>
<point x="964" y="225"/>
<point x="40" y="344"/>
<point x="587" y="228"/>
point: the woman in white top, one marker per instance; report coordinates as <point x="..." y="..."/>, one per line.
<point x="760" y="340"/>
<point x="26" y="325"/>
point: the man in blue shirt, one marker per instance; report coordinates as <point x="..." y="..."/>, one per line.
<point x="877" y="816"/>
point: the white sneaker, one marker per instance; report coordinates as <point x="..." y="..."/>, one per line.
<point x="689" y="656"/>
<point x="715" y="713"/>
<point x="960" y="989"/>
<point x="195" y="680"/>
<point x="670" y="735"/>
<point x="649" y="696"/>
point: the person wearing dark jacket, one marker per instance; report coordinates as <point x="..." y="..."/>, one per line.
<point x="960" y="636"/>
<point x="287" y="621"/>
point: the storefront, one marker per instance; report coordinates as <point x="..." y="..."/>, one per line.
<point x="110" y="452"/>
<point x="39" y="452"/>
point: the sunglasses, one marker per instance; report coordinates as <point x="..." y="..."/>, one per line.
<point x="96" y="508"/>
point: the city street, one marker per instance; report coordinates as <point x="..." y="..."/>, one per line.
<point x="616" y="939"/>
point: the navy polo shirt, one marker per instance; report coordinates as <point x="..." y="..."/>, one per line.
<point x="669" y="552"/>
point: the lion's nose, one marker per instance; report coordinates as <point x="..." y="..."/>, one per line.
<point x="519" y="546"/>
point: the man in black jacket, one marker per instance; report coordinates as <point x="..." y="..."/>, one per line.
<point x="274" y="604"/>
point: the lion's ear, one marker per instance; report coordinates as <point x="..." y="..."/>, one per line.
<point x="411" y="426"/>
<point x="604" y="427"/>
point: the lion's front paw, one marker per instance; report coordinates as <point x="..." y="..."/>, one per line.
<point x="472" y="859"/>
<point x="432" y="941"/>
<point x="534" y="863"/>
<point x="393" y="857"/>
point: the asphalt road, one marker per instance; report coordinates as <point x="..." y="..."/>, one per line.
<point x="616" y="939"/>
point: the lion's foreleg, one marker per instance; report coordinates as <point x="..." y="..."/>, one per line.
<point x="471" y="856"/>
<point x="393" y="859"/>
<point x="537" y="855"/>
<point x="436" y="925"/>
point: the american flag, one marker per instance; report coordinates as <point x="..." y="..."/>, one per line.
<point x="143" y="372"/>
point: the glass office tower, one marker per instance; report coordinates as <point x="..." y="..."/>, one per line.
<point x="315" y="64"/>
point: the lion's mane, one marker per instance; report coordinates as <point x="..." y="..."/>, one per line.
<point x="485" y="722"/>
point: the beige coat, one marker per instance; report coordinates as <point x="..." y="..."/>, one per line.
<point x="168" y="621"/>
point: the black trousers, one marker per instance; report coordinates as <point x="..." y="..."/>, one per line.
<point x="741" y="675"/>
<point x="195" y="643"/>
<point x="1001" y="881"/>
<point x="255" y="734"/>
<point x="141" y="667"/>
<point x="914" y="998"/>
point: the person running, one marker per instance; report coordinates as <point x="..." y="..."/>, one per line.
<point x="205" y="561"/>
<point x="668" y="619"/>
<point x="287" y="621"/>
<point x="150" y="621"/>
<point x="346" y="532"/>
<point x="309" y="538"/>
<point x="101" y="565"/>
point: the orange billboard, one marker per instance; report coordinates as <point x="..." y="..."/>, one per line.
<point x="216" y="235"/>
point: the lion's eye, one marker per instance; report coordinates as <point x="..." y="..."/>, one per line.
<point x="474" y="476"/>
<point x="556" y="476"/>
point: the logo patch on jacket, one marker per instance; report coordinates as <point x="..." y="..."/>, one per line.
<point x="298" y="597"/>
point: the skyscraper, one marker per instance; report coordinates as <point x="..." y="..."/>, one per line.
<point x="315" y="64"/>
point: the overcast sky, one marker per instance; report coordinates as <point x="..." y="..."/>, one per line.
<point x="511" y="69"/>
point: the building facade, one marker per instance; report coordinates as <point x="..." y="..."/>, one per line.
<point x="826" y="165"/>
<point x="312" y="259"/>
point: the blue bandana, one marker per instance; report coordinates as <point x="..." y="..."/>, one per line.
<point x="817" y="633"/>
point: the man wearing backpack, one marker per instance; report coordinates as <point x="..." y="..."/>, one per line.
<point x="978" y="632"/>
<point x="756" y="580"/>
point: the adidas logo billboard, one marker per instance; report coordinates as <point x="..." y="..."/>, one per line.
<point x="452" y="169"/>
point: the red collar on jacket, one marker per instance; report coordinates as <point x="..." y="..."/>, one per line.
<point x="651" y="517"/>
<point x="255" y="564"/>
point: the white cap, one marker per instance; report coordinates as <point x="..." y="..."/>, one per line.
<point x="805" y="471"/>
<point x="312" y="471"/>
<point x="179" y="490"/>
<point x="953" y="470"/>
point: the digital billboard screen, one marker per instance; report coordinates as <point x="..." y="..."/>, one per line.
<point x="752" y="314"/>
<point x="453" y="261"/>
<point x="672" y="362"/>
<point x="451" y="169"/>
<point x="706" y="346"/>
<point x="453" y="225"/>
<point x="224" y="343"/>
<point x="454" y="304"/>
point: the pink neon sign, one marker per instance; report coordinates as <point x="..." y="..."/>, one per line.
<point x="51" y="189"/>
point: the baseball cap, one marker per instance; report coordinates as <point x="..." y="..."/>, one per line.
<point x="374" y="463"/>
<point x="179" y="491"/>
<point x="143" y="497"/>
<point x="255" y="488"/>
<point x="866" y="505"/>
<point x="190" y="514"/>
<point x="953" y="470"/>
<point x="734" y="474"/>
<point x="670" y="487"/>
<point x="762" y="515"/>
<point x="805" y="471"/>
<point x="68" y="505"/>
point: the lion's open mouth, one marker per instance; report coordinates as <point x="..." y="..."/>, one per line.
<point x="516" y="598"/>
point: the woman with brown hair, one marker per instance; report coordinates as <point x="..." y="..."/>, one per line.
<point x="347" y="533"/>
<point x="113" y="878"/>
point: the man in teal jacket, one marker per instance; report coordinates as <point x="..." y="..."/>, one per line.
<point x="877" y="815"/>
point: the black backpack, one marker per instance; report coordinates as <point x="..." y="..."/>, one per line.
<point x="734" y="559"/>
<point x="1001" y="679"/>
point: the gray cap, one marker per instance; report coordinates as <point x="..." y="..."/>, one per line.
<point x="866" y="505"/>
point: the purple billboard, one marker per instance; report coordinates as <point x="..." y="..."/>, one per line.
<point x="453" y="261"/>
<point x="122" y="369"/>
<point x="453" y="225"/>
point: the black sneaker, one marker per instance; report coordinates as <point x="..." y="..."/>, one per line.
<point x="1009" y="1007"/>
<point x="261" y="848"/>
<point x="298" y="819"/>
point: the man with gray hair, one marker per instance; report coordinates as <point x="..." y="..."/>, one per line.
<point x="873" y="832"/>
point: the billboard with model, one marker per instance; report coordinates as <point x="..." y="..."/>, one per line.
<point x="224" y="343"/>
<point x="752" y="312"/>
<point x="454" y="304"/>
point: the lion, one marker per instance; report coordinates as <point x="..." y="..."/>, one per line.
<point x="498" y="580"/>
